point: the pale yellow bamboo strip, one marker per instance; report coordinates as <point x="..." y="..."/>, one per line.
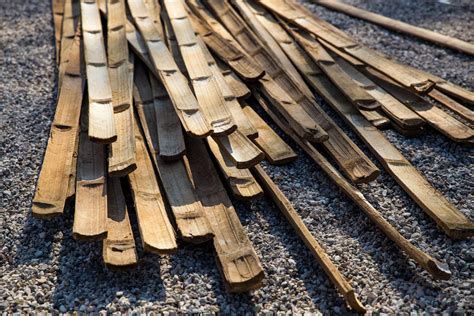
<point x="239" y="89"/>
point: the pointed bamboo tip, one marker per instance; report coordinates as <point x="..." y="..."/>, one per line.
<point x="354" y="302"/>
<point x="439" y="270"/>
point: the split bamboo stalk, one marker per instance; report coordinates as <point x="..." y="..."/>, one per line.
<point x="154" y="8"/>
<point x="399" y="26"/>
<point x="71" y="190"/>
<point x="277" y="152"/>
<point x="419" y="84"/>
<point x="437" y="269"/>
<point x="156" y="231"/>
<point x="377" y="118"/>
<point x="204" y="83"/>
<point x="434" y="116"/>
<point x="53" y="182"/>
<point x="119" y="247"/>
<point x="241" y="181"/>
<point x="58" y="15"/>
<point x="284" y="205"/>
<point x="121" y="152"/>
<point x="68" y="30"/>
<point x="243" y="153"/>
<point x="165" y="67"/>
<point x="452" y="105"/>
<point x="239" y="89"/>
<point x="101" y="120"/>
<point x="276" y="84"/>
<point x="172" y="43"/>
<point x="188" y="212"/>
<point x="237" y="260"/>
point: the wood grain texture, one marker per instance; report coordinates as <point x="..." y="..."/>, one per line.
<point x="237" y="260"/>
<point x="284" y="205"/>
<point x="277" y="152"/>
<point x="118" y="249"/>
<point x="53" y="182"/>
<point x="101" y="120"/>
<point x="184" y="102"/>
<point x="241" y="181"/>
<point x="203" y="81"/>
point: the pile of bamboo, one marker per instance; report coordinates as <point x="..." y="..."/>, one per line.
<point x="156" y="100"/>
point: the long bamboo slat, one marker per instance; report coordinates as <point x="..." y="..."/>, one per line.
<point x="53" y="182"/>
<point x="184" y="102"/>
<point x="118" y="249"/>
<point x="101" y="120"/>
<point x="172" y="43"/>
<point x="241" y="181"/>
<point x="58" y="15"/>
<point x="437" y="269"/>
<point x="239" y="89"/>
<point x="191" y="221"/>
<point x="71" y="190"/>
<point x="284" y="205"/>
<point x="399" y="26"/>
<point x="204" y="83"/>
<point x="68" y="30"/>
<point x="380" y="62"/>
<point x="277" y="152"/>
<point x="157" y="233"/>
<point x="237" y="260"/>
<point x="452" y="105"/>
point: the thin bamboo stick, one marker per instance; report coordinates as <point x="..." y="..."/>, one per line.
<point x="453" y="105"/>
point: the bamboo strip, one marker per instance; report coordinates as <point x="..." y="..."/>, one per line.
<point x="154" y="8"/>
<point x="68" y="30"/>
<point x="399" y="26"/>
<point x="239" y="264"/>
<point x="53" y="182"/>
<point x="284" y="205"/>
<point x="58" y="15"/>
<point x="192" y="224"/>
<point x="243" y="153"/>
<point x="453" y="105"/>
<point x="277" y="152"/>
<point x="377" y="118"/>
<point x="434" y="116"/>
<point x="437" y="269"/>
<point x="165" y="67"/>
<point x="241" y="181"/>
<point x="172" y="43"/>
<point x="239" y="89"/>
<point x="380" y="62"/>
<point x="118" y="249"/>
<point x="71" y="190"/>
<point x="156" y="231"/>
<point x="101" y="121"/>
<point x="276" y="84"/>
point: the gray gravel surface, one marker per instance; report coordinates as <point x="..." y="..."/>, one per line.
<point x="43" y="268"/>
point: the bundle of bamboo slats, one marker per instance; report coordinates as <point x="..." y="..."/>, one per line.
<point x="159" y="99"/>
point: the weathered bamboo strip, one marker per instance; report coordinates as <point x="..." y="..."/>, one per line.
<point x="380" y="62"/>
<point x="399" y="26"/>
<point x="284" y="205"/>
<point x="204" y="83"/>
<point x="157" y="233"/>
<point x="118" y="249"/>
<point x="68" y="30"/>
<point x="241" y="181"/>
<point x="239" y="89"/>
<point x="237" y="260"/>
<point x="71" y="190"/>
<point x="101" y="121"/>
<point x="155" y="10"/>
<point x="170" y="135"/>
<point x="451" y="220"/>
<point x="377" y="118"/>
<point x="437" y="269"/>
<point x="276" y="84"/>
<point x="172" y="43"/>
<point x="53" y="182"/>
<point x="191" y="221"/>
<point x="58" y="14"/>
<point x="165" y="67"/>
<point x="452" y="105"/>
<point x="434" y="116"/>
<point x="277" y="152"/>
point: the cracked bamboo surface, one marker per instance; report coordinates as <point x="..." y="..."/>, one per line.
<point x="53" y="182"/>
<point x="203" y="81"/>
<point x="237" y="260"/>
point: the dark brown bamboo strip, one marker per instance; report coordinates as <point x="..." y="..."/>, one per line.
<point x="68" y="30"/>
<point x="284" y="205"/>
<point x="277" y="152"/>
<point x="437" y="269"/>
<point x="241" y="181"/>
<point x="58" y="14"/>
<point x="204" y="83"/>
<point x="399" y="26"/>
<point x="237" y="260"/>
<point x="434" y="116"/>
<point x="118" y="249"/>
<point x="157" y="233"/>
<point x="277" y="86"/>
<point x="101" y="121"/>
<point x="53" y="182"/>
<point x="191" y="221"/>
<point x="239" y="89"/>
<point x="452" y="105"/>
<point x="380" y="62"/>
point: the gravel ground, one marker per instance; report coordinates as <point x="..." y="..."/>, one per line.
<point x="43" y="268"/>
